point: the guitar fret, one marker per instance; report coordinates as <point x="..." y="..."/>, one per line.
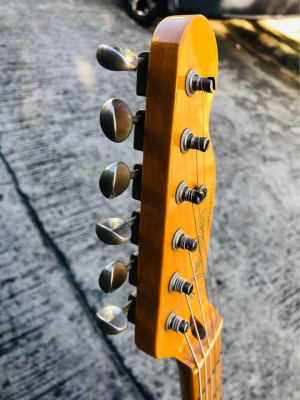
<point x="212" y="375"/>
<point x="217" y="390"/>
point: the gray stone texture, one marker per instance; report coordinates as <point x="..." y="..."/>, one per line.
<point x="52" y="153"/>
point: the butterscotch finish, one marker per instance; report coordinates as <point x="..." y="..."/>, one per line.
<point x="179" y="45"/>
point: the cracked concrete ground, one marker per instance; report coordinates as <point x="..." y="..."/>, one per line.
<point x="52" y="153"/>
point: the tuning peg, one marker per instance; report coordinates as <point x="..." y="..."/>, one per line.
<point x="116" y="230"/>
<point x="180" y="285"/>
<point x="176" y="323"/>
<point x="114" y="274"/>
<point x="117" y="59"/>
<point x="195" y="196"/>
<point x="183" y="241"/>
<point x="113" y="320"/>
<point x="115" y="179"/>
<point x="189" y="141"/>
<point x="194" y="83"/>
<point x="116" y="120"/>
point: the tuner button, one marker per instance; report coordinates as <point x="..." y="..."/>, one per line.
<point x="115" y="230"/>
<point x="115" y="179"/>
<point x="114" y="275"/>
<point x="112" y="320"/>
<point x="116" y="120"/>
<point x="116" y="59"/>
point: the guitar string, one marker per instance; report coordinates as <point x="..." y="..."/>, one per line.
<point x="206" y="249"/>
<point x="214" y="350"/>
<point x="204" y="322"/>
<point x="200" y="255"/>
<point x="214" y="270"/>
<point x="199" y="340"/>
<point x="207" y="263"/>
<point x="209" y="273"/>
<point x="199" y="299"/>
<point x="196" y="362"/>
<point x="199" y="248"/>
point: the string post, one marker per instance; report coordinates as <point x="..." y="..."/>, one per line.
<point x="195" y="83"/>
<point x="197" y="143"/>
<point x="189" y="141"/>
<point x="176" y="324"/>
<point x="195" y="196"/>
<point x="180" y="285"/>
<point x="183" y="241"/>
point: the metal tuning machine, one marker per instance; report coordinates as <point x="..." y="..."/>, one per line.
<point x="113" y="320"/>
<point x="194" y="83"/>
<point x="116" y="121"/>
<point x="117" y="231"/>
<point x="189" y="141"/>
<point x="118" y="59"/>
<point x="116" y="178"/>
<point x="195" y="196"/>
<point x="176" y="324"/>
<point x="114" y="274"/>
<point x="183" y="242"/>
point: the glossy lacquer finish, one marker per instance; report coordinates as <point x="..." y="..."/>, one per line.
<point x="179" y="44"/>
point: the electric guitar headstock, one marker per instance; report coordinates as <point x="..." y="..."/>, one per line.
<point x="176" y="185"/>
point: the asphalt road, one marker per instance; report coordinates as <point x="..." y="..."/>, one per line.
<point x="52" y="153"/>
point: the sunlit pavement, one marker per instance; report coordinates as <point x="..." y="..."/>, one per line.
<point x="275" y="41"/>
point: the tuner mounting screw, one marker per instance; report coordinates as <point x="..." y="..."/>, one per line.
<point x="180" y="285"/>
<point x="195" y="196"/>
<point x="194" y="83"/>
<point x="176" y="323"/>
<point x="189" y="141"/>
<point x="183" y="241"/>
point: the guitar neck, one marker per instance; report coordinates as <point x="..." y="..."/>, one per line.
<point x="210" y="378"/>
